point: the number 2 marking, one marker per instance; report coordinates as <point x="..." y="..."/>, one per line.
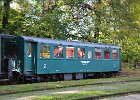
<point x="45" y="65"/>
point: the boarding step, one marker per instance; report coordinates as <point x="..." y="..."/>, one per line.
<point x="29" y="70"/>
<point x="4" y="81"/>
<point x="31" y="77"/>
<point x="3" y="75"/>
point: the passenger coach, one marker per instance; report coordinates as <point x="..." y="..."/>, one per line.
<point x="40" y="59"/>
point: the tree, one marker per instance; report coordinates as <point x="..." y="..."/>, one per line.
<point x="101" y="21"/>
<point x="6" y="13"/>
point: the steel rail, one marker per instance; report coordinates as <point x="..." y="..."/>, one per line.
<point x="109" y="95"/>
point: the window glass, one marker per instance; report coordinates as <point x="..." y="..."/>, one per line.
<point x="98" y="54"/>
<point x="114" y="54"/>
<point x="29" y="50"/>
<point x="89" y="54"/>
<point x="58" y="52"/>
<point x="44" y="51"/>
<point x="106" y="54"/>
<point x="81" y="53"/>
<point x="69" y="52"/>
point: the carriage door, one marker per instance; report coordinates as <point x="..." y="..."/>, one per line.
<point x="31" y="58"/>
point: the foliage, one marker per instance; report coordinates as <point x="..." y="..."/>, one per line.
<point x="102" y="21"/>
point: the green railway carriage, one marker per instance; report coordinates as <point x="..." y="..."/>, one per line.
<point x="33" y="58"/>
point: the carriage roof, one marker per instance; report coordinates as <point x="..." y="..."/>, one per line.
<point x="69" y="43"/>
<point x="6" y="36"/>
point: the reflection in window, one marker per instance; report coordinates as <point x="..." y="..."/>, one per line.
<point x="106" y="54"/>
<point x="69" y="52"/>
<point x="58" y="52"/>
<point x="44" y="51"/>
<point x="114" y="54"/>
<point x="81" y="53"/>
<point x="98" y="54"/>
<point x="89" y="54"/>
<point x="29" y="50"/>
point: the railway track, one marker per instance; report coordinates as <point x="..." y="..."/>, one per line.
<point x="109" y="95"/>
<point x="58" y="87"/>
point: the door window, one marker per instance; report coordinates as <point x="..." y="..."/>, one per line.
<point x="29" y="50"/>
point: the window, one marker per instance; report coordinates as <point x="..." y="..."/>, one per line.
<point x="44" y="51"/>
<point x="29" y="50"/>
<point x="106" y="54"/>
<point x="114" y="54"/>
<point x="98" y="54"/>
<point x="81" y="53"/>
<point x="58" y="52"/>
<point x="89" y="54"/>
<point x="69" y="52"/>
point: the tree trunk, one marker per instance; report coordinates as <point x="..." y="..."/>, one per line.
<point x="6" y="13"/>
<point x="98" y="21"/>
<point x="0" y="5"/>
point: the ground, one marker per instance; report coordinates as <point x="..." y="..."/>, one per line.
<point x="89" y="89"/>
<point x="130" y="71"/>
<point x="75" y="90"/>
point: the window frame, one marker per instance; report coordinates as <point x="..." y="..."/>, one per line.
<point x="63" y="50"/>
<point x="105" y="54"/>
<point x="40" y="50"/>
<point x="73" y="52"/>
<point x="117" y="54"/>
<point x="82" y="54"/>
<point x="100" y="54"/>
<point x="92" y="53"/>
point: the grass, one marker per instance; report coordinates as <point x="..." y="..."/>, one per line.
<point x="96" y="90"/>
<point x="70" y="96"/>
<point x="89" y="93"/>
